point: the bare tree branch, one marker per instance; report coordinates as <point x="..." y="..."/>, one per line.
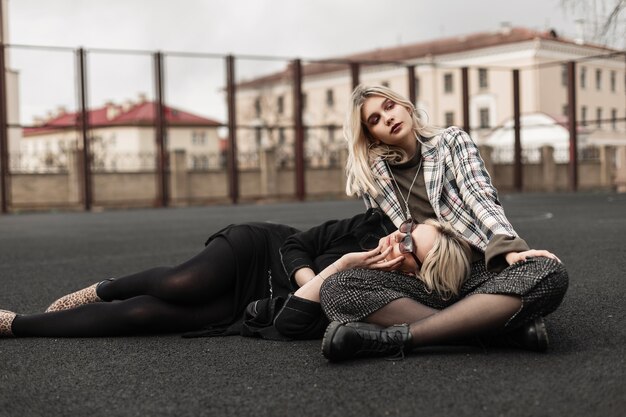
<point x="612" y="19"/>
<point x="601" y="19"/>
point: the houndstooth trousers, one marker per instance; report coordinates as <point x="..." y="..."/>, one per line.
<point x="354" y="294"/>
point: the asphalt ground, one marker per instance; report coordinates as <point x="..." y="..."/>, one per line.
<point x="46" y="255"/>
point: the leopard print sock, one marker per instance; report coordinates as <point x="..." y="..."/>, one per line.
<point x="85" y="296"/>
<point x="6" y="320"/>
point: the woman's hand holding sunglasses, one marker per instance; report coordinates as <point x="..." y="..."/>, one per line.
<point x="372" y="259"/>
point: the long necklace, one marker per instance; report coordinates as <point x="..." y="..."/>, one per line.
<point x="408" y="195"/>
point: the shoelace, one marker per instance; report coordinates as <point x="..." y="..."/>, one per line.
<point x="394" y="345"/>
<point x="399" y="342"/>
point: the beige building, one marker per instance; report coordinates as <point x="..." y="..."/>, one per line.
<point x="122" y="139"/>
<point x="601" y="92"/>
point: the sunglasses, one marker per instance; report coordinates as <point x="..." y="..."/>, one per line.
<point x="407" y="244"/>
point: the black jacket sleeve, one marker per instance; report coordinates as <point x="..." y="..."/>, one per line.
<point x="319" y="246"/>
<point x="301" y="250"/>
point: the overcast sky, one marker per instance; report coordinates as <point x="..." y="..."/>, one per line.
<point x="286" y="28"/>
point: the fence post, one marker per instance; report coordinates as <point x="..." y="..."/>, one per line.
<point x="354" y="74"/>
<point x="465" y="98"/>
<point x="4" y="131"/>
<point x="411" y="76"/>
<point x="573" y="133"/>
<point x="299" y="129"/>
<point x="82" y="122"/>
<point x="231" y="160"/>
<point x="160" y="132"/>
<point x="517" y="167"/>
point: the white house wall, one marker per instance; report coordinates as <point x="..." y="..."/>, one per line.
<point x="113" y="147"/>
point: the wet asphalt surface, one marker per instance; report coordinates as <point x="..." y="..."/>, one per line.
<point x="46" y="255"/>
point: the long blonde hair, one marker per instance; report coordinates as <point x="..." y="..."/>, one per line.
<point x="447" y="264"/>
<point x="363" y="148"/>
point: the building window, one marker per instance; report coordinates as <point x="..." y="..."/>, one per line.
<point x="583" y="115"/>
<point x="257" y="106"/>
<point x="564" y="75"/>
<point x="330" y="98"/>
<point x="614" y="119"/>
<point x="598" y="79"/>
<point x="448" y="87"/>
<point x="198" y="138"/>
<point x="449" y="118"/>
<point x="599" y="117"/>
<point x="613" y="81"/>
<point x="257" y="136"/>
<point x="482" y="78"/>
<point x="583" y="77"/>
<point x="484" y="118"/>
<point x="565" y="110"/>
<point x="280" y="104"/>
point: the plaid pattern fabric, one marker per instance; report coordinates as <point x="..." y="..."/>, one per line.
<point x="458" y="185"/>
<point x="386" y="198"/>
<point x="354" y="294"/>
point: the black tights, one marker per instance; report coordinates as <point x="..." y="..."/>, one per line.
<point x="473" y="315"/>
<point x="159" y="300"/>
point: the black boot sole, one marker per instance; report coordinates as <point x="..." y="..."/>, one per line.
<point x="327" y="339"/>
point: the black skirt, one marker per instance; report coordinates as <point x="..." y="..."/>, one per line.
<point x="353" y="295"/>
<point x="259" y="272"/>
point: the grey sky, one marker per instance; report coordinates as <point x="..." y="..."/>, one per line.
<point x="288" y="28"/>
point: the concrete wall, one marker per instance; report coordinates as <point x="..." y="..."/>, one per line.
<point x="139" y="189"/>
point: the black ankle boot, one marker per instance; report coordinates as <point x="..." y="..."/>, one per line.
<point x="358" y="340"/>
<point x="530" y="336"/>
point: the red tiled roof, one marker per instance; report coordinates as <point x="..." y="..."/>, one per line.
<point x="419" y="50"/>
<point x="140" y="114"/>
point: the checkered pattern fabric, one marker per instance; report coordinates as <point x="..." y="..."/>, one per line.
<point x="354" y="294"/>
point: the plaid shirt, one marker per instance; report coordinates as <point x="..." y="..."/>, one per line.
<point x="458" y="186"/>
